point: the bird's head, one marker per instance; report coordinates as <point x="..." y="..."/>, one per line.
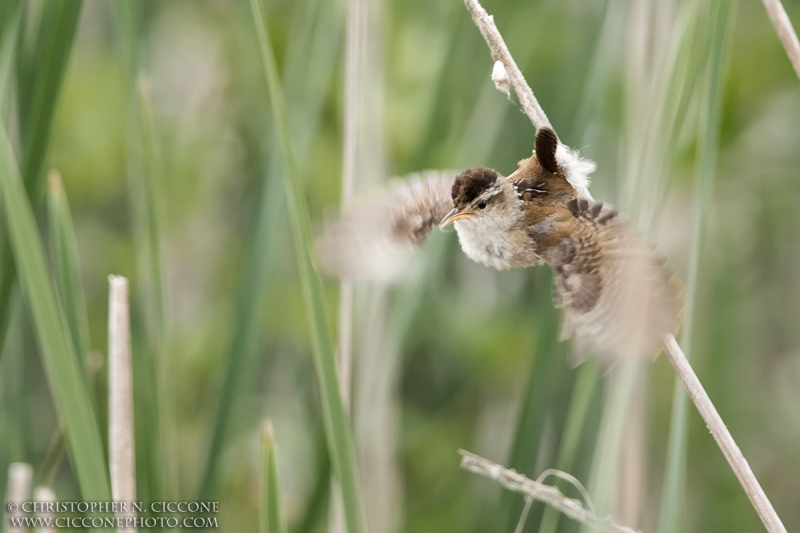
<point x="476" y="191"/>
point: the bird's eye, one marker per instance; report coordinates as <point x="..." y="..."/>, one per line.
<point x="482" y="204"/>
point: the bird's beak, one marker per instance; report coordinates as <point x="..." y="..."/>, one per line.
<point x="453" y="215"/>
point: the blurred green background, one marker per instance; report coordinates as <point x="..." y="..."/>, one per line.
<point x="163" y="135"/>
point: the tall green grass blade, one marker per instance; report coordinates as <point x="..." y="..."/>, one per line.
<point x="245" y="327"/>
<point x="37" y="94"/>
<point x="317" y="505"/>
<point x="144" y="180"/>
<point x="64" y="249"/>
<point x="311" y="56"/>
<point x="243" y="340"/>
<point x="148" y="222"/>
<point x="583" y="391"/>
<point x="432" y="131"/>
<point x="270" y="515"/>
<point x="598" y="79"/>
<point x="9" y="16"/>
<point x="678" y="91"/>
<point x="67" y="382"/>
<point x="337" y="426"/>
<point x="12" y="390"/>
<point x="543" y="378"/>
<point x="721" y="19"/>
<point x="47" y="470"/>
<point x="666" y="97"/>
<point x="155" y="479"/>
<point x="9" y="26"/>
<point x="607" y="457"/>
<point x="152" y="204"/>
<point x="38" y="85"/>
<point x="64" y="253"/>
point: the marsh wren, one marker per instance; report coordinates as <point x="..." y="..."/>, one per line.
<point x="617" y="297"/>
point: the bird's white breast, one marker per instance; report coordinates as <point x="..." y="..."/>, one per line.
<point x="488" y="239"/>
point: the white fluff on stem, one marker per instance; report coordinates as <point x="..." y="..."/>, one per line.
<point x="499" y="50"/>
<point x="500" y="78"/>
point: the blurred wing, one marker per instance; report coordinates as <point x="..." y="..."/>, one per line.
<point x="618" y="297"/>
<point x="375" y="237"/>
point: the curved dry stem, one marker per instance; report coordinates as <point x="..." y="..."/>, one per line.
<point x="548" y="494"/>
<point x="572" y="480"/>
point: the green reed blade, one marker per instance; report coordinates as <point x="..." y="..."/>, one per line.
<point x="270" y="515"/>
<point x="337" y="425"/>
<point x="39" y="78"/>
<point x="720" y="25"/>
<point x="311" y="55"/>
<point x="67" y="381"/>
<point x="64" y="249"/>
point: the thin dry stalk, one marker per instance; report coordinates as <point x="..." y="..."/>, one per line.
<point x="17" y="491"/>
<point x="353" y="62"/>
<point x="45" y="495"/>
<point x="347" y="291"/>
<point x="523" y="517"/>
<point x="485" y="23"/>
<point x="777" y="14"/>
<point x="120" y="397"/>
<point x="346" y="300"/>
<point x="733" y="454"/>
<point x="723" y="437"/>
<point x="548" y="494"/>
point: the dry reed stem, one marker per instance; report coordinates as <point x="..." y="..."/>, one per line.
<point x="512" y="480"/>
<point x="497" y="46"/>
<point x="777" y="14"/>
<point x="733" y="454"/>
<point x="44" y="494"/>
<point x="353" y="64"/>
<point x="723" y="437"/>
<point x="17" y="491"/>
<point x="120" y="397"/>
